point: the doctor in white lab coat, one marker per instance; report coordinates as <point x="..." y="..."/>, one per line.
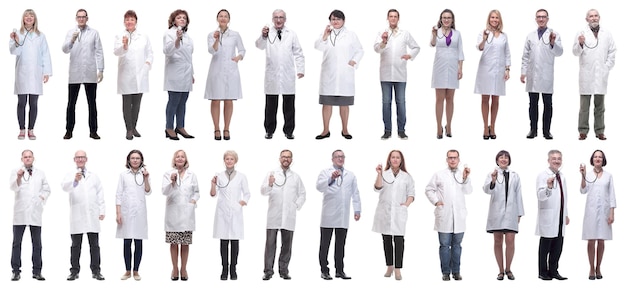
<point x="31" y="193"/>
<point x="87" y="209"/>
<point x="286" y="196"/>
<point x="231" y="188"/>
<point x="446" y="190"/>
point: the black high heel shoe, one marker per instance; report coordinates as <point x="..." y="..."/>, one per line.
<point x="486" y="137"/>
<point x="440" y="133"/>
<point x="492" y="136"/>
<point x="167" y="135"/>
<point x="216" y="136"/>
<point x="186" y="136"/>
<point x="226" y="137"/>
<point x="448" y="134"/>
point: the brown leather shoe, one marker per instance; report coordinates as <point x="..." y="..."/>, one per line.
<point x="582" y="136"/>
<point x="601" y="136"/>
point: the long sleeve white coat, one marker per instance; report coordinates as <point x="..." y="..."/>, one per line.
<point x="538" y="61"/>
<point x="178" y="76"/>
<point x="228" y="221"/>
<point x="549" y="205"/>
<point x="392" y="65"/>
<point x="504" y="210"/>
<point x="391" y="214"/>
<point x="133" y="64"/>
<point x="448" y="187"/>
<point x="495" y="57"/>
<point x="86" y="202"/>
<point x="600" y="199"/>
<point x="283" y="61"/>
<point x="337" y="77"/>
<point x="32" y="62"/>
<point x="337" y="196"/>
<point x="596" y="58"/>
<point x="30" y="197"/>
<point x="286" y="196"/>
<point x="131" y="197"/>
<point x="180" y="212"/>
<point x="86" y="55"/>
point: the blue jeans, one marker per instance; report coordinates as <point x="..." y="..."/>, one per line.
<point x="450" y="252"/>
<point x="176" y="107"/>
<point x="399" y="88"/>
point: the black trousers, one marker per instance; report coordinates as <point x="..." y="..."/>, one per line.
<point x="72" y="97"/>
<point x="130" y="108"/>
<point x="94" y="251"/>
<point x="16" y="253"/>
<point x="289" y="113"/>
<point x="286" y="238"/>
<point x="394" y="250"/>
<point x="340" y="245"/>
<point x="234" y="254"/>
<point x="129" y="256"/>
<point x="549" y="254"/>
<point x="533" y="111"/>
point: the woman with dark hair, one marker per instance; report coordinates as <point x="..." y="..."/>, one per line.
<point x="177" y="47"/>
<point x="599" y="210"/>
<point x="33" y="67"/>
<point x="342" y="51"/>
<point x="506" y="208"/>
<point x="223" y="82"/>
<point x="134" y="54"/>
<point x="447" y="68"/>
<point x="231" y="188"/>
<point x="131" y="213"/>
<point x="180" y="186"/>
<point x="396" y="190"/>
<point x="493" y="71"/>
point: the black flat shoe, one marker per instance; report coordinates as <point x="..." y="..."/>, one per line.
<point x="320" y="137"/>
<point x="186" y="136"/>
<point x="215" y="134"/>
<point x="347" y="136"/>
<point x="532" y="134"/>
<point x="174" y="278"/>
<point x="129" y="135"/>
<point x="167" y="135"/>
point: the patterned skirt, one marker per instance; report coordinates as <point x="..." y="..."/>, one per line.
<point x="181" y="238"/>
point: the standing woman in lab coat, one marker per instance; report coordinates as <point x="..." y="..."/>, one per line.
<point x="342" y="52"/>
<point x="180" y="186"/>
<point x="599" y="210"/>
<point x="223" y="82"/>
<point x="33" y="67"/>
<point x="231" y="186"/>
<point x="177" y="47"/>
<point x="493" y="71"/>
<point x="131" y="213"/>
<point x="506" y="208"/>
<point x="134" y="62"/>
<point x="396" y="191"/>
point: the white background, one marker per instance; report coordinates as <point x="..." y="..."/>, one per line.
<point x="423" y="152"/>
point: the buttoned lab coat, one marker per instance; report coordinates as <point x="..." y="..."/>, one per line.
<point x="596" y="58"/>
<point x="549" y="202"/>
<point x="391" y="215"/>
<point x="223" y="81"/>
<point x="178" y="76"/>
<point x="446" y="63"/>
<point x="32" y="62"/>
<point x="131" y="196"/>
<point x="132" y="69"/>
<point x="600" y="199"/>
<point x="86" y="202"/>
<point x="495" y="57"/>
<point x="392" y="65"/>
<point x="228" y="221"/>
<point x="538" y="61"/>
<point x="286" y="196"/>
<point x="336" y="75"/>
<point x="30" y="197"/>
<point x="336" y="198"/>
<point x="283" y="61"/>
<point x="86" y="56"/>
<point x="504" y="212"/>
<point x="180" y="213"/>
<point x="449" y="188"/>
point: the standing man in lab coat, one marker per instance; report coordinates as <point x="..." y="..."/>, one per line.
<point x="339" y="188"/>
<point x="540" y="49"/>
<point x="284" y="62"/>
<point x="31" y="193"/>
<point x="286" y="195"/>
<point x="86" y="67"/>
<point x="446" y="191"/>
<point x="86" y="211"/>
<point x="552" y="216"/>
<point x="596" y="51"/>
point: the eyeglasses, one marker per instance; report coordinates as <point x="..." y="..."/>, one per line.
<point x="80" y="157"/>
<point x="453" y="157"/>
<point x="81" y="17"/>
<point x="336" y="19"/>
<point x="541" y="16"/>
<point x="340" y="157"/>
<point x="278" y="17"/>
<point x="285" y="157"/>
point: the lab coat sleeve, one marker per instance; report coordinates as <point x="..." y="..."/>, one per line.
<point x="118" y="46"/>
<point x="100" y="196"/>
<point x="45" y="188"/>
<point x="196" y="189"/>
<point x="414" y="48"/>
<point x="356" y="197"/>
<point x="431" y="190"/>
<point x="166" y="185"/>
<point x="301" y="194"/>
<point x="298" y="55"/>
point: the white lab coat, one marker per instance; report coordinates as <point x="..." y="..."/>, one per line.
<point x="392" y="66"/>
<point x="449" y="188"/>
<point x="446" y="63"/>
<point x="223" y="81"/>
<point x="538" y="61"/>
<point x="228" y="221"/>
<point x="336" y="75"/>
<point x="86" y="202"/>
<point x="504" y="210"/>
<point x="178" y="76"/>
<point x="283" y="61"/>
<point x="132" y="65"/>
<point x="549" y="202"/>
<point x="286" y="196"/>
<point x="131" y="196"/>
<point x="337" y="197"/>
<point x="180" y="213"/>
<point x="596" y="59"/>
<point x="600" y="200"/>
<point x="391" y="215"/>
<point x="30" y="197"/>
<point x="495" y="57"/>
<point x="86" y="56"/>
<point x="32" y="62"/>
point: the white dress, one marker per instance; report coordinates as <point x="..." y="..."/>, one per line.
<point x="600" y="200"/>
<point x="495" y="58"/>
<point x="446" y="64"/>
<point x="223" y="81"/>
